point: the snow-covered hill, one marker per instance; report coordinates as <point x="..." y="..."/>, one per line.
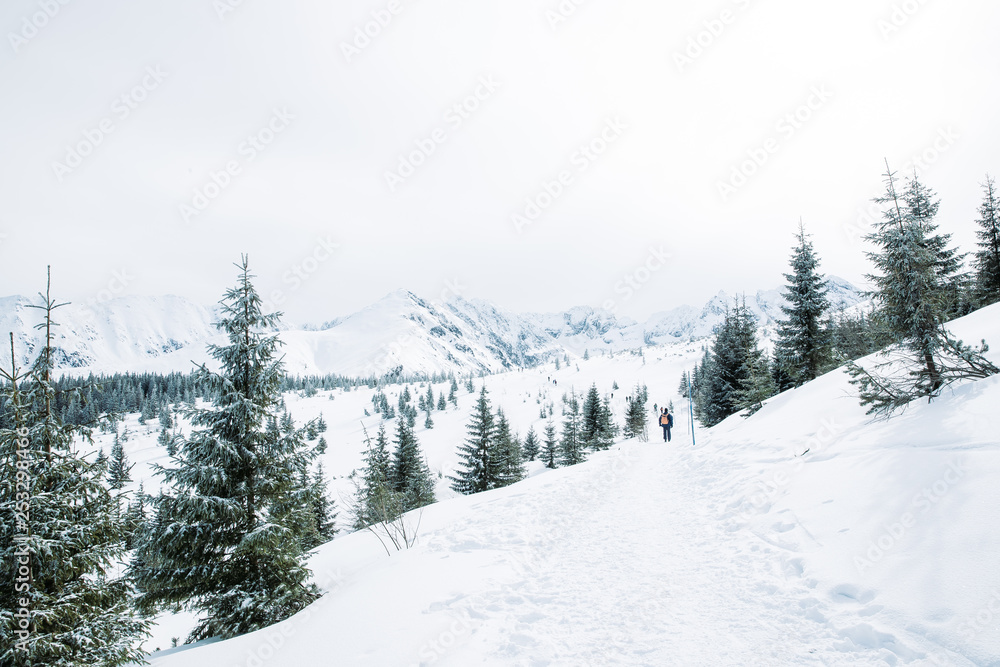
<point x="167" y="333"/>
<point x="806" y="534"/>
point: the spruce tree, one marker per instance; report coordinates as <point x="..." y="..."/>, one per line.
<point x="480" y="461"/>
<point x="725" y="370"/>
<point x="802" y="344"/>
<point x="375" y="499"/>
<point x="323" y="510"/>
<point x="914" y="266"/>
<point x="229" y="541"/>
<point x="757" y="386"/>
<point x="591" y="418"/>
<point x="409" y="474"/>
<point x="531" y="446"/>
<point x="550" y="454"/>
<point x="118" y="466"/>
<point x="70" y="608"/>
<point x="508" y="448"/>
<point x="987" y="258"/>
<point x="571" y="447"/>
<point x="635" y="414"/>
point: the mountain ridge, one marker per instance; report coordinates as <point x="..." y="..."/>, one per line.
<point x="401" y="330"/>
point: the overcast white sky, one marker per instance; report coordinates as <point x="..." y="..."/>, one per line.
<point x="885" y="78"/>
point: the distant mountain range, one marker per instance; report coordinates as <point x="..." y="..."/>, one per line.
<point x="169" y="333"/>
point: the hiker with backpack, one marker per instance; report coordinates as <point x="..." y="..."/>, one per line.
<point x="666" y="421"/>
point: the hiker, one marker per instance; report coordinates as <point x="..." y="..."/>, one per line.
<point x="666" y="421"/>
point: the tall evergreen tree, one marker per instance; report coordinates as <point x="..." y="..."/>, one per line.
<point x="508" y="449"/>
<point x="118" y="467"/>
<point x="481" y="462"/>
<point x="987" y="258"/>
<point x="324" y="513"/>
<point x="591" y="418"/>
<point x="409" y="474"/>
<point x="726" y="368"/>
<point x="915" y="265"/>
<point x="802" y="344"/>
<point x="374" y="497"/>
<point x="635" y="414"/>
<point x="59" y="521"/>
<point x="551" y="452"/>
<point x="571" y="447"/>
<point x="230" y="544"/>
<point x="531" y="446"/>
<point x="757" y="386"/>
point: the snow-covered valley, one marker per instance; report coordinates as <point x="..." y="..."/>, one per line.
<point x="806" y="534"/>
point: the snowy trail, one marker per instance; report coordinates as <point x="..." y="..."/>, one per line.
<point x="632" y="565"/>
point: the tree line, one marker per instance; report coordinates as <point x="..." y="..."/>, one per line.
<point x="920" y="283"/>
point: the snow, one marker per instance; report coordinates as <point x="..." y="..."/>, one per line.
<point x="164" y="334"/>
<point x="806" y="534"/>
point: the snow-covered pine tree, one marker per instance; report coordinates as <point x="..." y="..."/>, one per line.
<point x="323" y="509"/>
<point x="987" y="258"/>
<point x="571" y="447"/>
<point x="726" y="368"/>
<point x="914" y="266"/>
<point x="375" y="495"/>
<point x="550" y="455"/>
<point x="409" y="474"/>
<point x="135" y="517"/>
<point x="453" y="392"/>
<point x="442" y="402"/>
<point x="508" y="449"/>
<point x="531" y="447"/>
<point x="102" y="459"/>
<point x="118" y="466"/>
<point x="480" y="461"/>
<point x="228" y="543"/>
<point x="682" y="388"/>
<point x="635" y="414"/>
<point x="166" y="421"/>
<point x="757" y="387"/>
<point x="590" y="424"/>
<point x="68" y="528"/>
<point x="802" y="344"/>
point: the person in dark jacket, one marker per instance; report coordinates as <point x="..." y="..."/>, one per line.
<point x="666" y="421"/>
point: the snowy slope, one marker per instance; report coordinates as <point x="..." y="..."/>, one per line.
<point x="165" y="334"/>
<point x="806" y="534"/>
